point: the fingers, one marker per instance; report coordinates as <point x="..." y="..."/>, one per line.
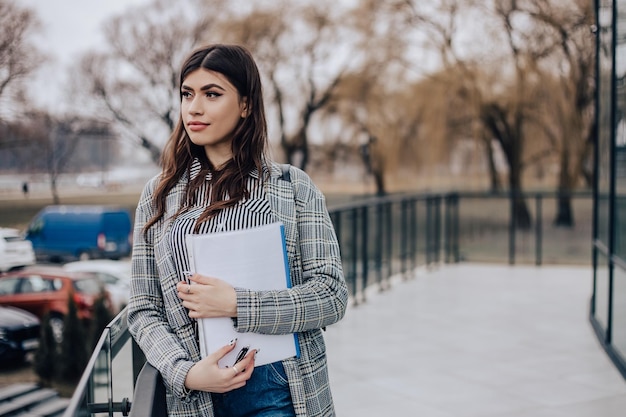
<point x="183" y="289"/>
<point x="237" y="375"/>
<point x="241" y="372"/>
<point x="207" y="297"/>
<point x="221" y="352"/>
<point x="186" y="287"/>
<point x="205" y="375"/>
<point x="201" y="279"/>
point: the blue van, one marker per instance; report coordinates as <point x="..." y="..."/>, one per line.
<point x="69" y="232"/>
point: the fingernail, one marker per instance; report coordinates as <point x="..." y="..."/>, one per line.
<point x="232" y="342"/>
<point x="255" y="352"/>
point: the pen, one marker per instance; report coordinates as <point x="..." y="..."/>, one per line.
<point x="241" y="354"/>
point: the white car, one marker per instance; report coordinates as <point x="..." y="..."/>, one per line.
<point x="115" y="275"/>
<point x="15" y="251"/>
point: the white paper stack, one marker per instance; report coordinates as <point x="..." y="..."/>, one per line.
<point x="255" y="259"/>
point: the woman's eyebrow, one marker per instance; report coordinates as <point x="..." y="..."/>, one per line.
<point x="204" y="87"/>
<point x="212" y="85"/>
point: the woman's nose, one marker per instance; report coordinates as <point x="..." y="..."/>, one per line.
<point x="195" y="106"/>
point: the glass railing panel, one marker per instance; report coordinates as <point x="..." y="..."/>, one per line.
<point x="100" y="379"/>
<point x="94" y="386"/>
<point x="619" y="311"/>
<point x="107" y="385"/>
<point x="567" y="245"/>
<point x="601" y="299"/>
<point x="619" y="227"/>
<point x="122" y="361"/>
<point x="484" y="228"/>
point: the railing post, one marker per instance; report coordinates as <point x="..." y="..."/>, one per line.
<point x="512" y="226"/>
<point x="364" y="249"/>
<point x="429" y="226"/>
<point x="538" y="230"/>
<point x="336" y="219"/>
<point x="447" y="228"/>
<point x="413" y="234"/>
<point x="457" y="254"/>
<point x="379" y="244"/>
<point x="354" y="252"/>
<point x="437" y="228"/>
<point x="389" y="239"/>
<point x="139" y="359"/>
<point x="403" y="237"/>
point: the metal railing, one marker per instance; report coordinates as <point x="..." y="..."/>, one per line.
<point x="380" y="237"/>
<point x="108" y="382"/>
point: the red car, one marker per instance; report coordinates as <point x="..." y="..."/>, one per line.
<point x="42" y="290"/>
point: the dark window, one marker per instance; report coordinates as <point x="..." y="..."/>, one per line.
<point x="36" y="283"/>
<point x="8" y="286"/>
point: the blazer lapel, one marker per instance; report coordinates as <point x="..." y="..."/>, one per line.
<point x="163" y="251"/>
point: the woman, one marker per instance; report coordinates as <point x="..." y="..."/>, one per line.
<point x="216" y="177"/>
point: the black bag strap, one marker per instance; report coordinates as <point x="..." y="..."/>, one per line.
<point x="286" y="175"/>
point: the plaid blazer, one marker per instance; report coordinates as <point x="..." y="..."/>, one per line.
<point x="162" y="328"/>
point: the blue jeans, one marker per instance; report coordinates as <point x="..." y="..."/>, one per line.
<point x="266" y="393"/>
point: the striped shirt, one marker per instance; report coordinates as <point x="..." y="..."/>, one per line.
<point x="250" y="212"/>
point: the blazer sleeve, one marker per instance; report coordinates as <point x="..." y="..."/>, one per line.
<point x="147" y="319"/>
<point x="322" y="296"/>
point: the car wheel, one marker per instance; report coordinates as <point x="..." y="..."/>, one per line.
<point x="56" y="324"/>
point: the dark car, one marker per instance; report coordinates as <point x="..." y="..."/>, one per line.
<point x="19" y="334"/>
<point x="46" y="290"/>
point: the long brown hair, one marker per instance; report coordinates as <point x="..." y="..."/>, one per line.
<point x="249" y="143"/>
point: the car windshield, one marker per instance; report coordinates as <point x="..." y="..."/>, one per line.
<point x="88" y="285"/>
<point x="107" y="278"/>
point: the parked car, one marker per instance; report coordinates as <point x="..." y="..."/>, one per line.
<point x="115" y="275"/>
<point x="70" y="232"/>
<point x="46" y="289"/>
<point x="19" y="334"/>
<point x="15" y="251"/>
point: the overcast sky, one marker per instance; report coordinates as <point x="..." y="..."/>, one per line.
<point x="69" y="28"/>
<point x="73" y="26"/>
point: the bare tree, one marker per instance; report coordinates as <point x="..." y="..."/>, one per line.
<point x="55" y="141"/>
<point x="373" y="103"/>
<point x="537" y="34"/>
<point x="299" y="50"/>
<point x="383" y="123"/>
<point x="452" y="73"/>
<point x="565" y="28"/>
<point x="134" y="82"/>
<point x="18" y="55"/>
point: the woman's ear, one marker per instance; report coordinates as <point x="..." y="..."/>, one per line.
<point x="244" y="108"/>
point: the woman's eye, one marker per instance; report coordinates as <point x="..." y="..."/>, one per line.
<point x="212" y="94"/>
<point x="185" y="94"/>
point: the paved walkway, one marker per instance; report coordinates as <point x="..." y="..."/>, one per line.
<point x="473" y="340"/>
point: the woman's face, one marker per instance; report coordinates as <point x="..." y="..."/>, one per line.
<point x="211" y="109"/>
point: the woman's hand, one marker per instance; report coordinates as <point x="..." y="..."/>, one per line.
<point x="205" y="375"/>
<point x="208" y="297"/>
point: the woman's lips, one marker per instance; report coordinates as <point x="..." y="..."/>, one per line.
<point x="197" y="126"/>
